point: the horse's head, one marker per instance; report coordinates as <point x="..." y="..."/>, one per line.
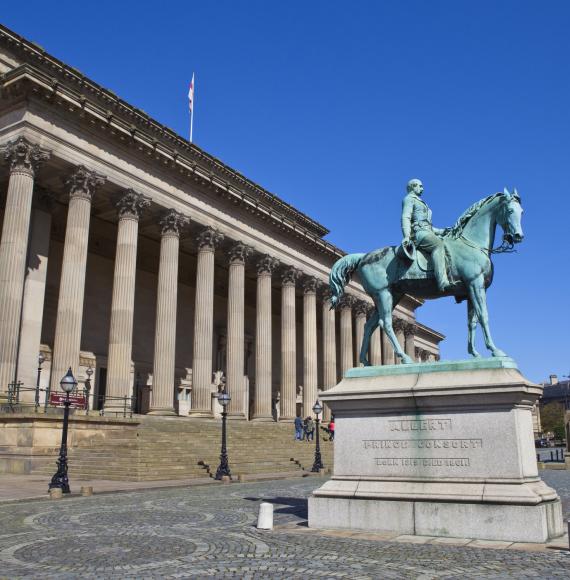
<point x="510" y="217"/>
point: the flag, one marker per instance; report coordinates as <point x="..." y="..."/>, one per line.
<point x="191" y="94"/>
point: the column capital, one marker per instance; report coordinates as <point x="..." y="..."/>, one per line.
<point x="398" y="324"/>
<point x="209" y="239"/>
<point x="83" y="182"/>
<point x="325" y="292"/>
<point x="360" y="307"/>
<point x="370" y="308"/>
<point x="422" y="354"/>
<point x="310" y="285"/>
<point x="410" y="328"/>
<point x="266" y="265"/>
<point x="25" y="157"/>
<point x="172" y="222"/>
<point x="346" y="302"/>
<point x="290" y="275"/>
<point x="238" y="253"/>
<point x="131" y="204"/>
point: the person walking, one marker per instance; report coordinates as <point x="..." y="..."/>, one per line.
<point x="310" y="429"/>
<point x="298" y="428"/>
<point x="331" y="429"/>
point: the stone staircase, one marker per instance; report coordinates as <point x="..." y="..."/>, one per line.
<point x="164" y="448"/>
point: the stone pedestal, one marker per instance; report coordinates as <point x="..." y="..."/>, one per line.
<point x="437" y="449"/>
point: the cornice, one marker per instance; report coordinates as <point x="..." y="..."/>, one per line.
<point x="26" y="80"/>
<point x="437" y="337"/>
<point x="61" y="79"/>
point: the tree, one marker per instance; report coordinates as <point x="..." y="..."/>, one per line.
<point x="552" y="419"/>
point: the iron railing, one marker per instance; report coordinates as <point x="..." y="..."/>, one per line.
<point x="15" y="401"/>
<point x="119" y="406"/>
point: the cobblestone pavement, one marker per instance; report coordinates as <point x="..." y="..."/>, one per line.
<point x="208" y="532"/>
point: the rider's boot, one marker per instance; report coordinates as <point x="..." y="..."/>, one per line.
<point x="439" y="269"/>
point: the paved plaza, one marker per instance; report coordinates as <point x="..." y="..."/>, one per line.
<point x="209" y="531"/>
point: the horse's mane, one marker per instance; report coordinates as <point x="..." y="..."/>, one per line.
<point x="457" y="228"/>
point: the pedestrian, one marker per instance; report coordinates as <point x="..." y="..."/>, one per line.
<point x="331" y="429"/>
<point x="310" y="429"/>
<point x="298" y="428"/>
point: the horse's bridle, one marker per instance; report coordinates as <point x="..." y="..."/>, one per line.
<point x="506" y="247"/>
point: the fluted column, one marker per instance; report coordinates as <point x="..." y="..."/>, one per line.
<point x="399" y="324"/>
<point x="310" y="377"/>
<point x="237" y="409"/>
<point x="346" y="352"/>
<point x="263" y="379"/>
<point x="375" y="342"/>
<point x="409" y="333"/>
<point x="388" y="357"/>
<point x="34" y="289"/>
<point x="208" y="240"/>
<point x="24" y="159"/>
<point x="162" y="400"/>
<point x="360" y="309"/>
<point x="329" y="348"/>
<point x="288" y="346"/>
<point x="130" y="206"/>
<point x="67" y="343"/>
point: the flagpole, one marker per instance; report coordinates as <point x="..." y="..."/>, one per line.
<point x="192" y="110"/>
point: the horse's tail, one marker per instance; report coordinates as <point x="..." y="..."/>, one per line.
<point x="340" y="275"/>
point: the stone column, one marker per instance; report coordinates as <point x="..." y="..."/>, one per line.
<point x="235" y="383"/>
<point x="387" y="350"/>
<point x="130" y="206"/>
<point x="24" y="159"/>
<point x="346" y="352"/>
<point x="310" y="377"/>
<point x="375" y="342"/>
<point x="288" y="345"/>
<point x="360" y="310"/>
<point x="409" y="333"/>
<point x="399" y="325"/>
<point x="329" y="348"/>
<point x="263" y="383"/>
<point x="67" y="343"/>
<point x="208" y="240"/>
<point x="162" y="400"/>
<point x="34" y="291"/>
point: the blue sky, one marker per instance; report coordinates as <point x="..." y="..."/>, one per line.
<point x="335" y="105"/>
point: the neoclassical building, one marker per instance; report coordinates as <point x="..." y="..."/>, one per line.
<point x="130" y="253"/>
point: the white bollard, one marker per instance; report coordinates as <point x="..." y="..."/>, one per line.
<point x="265" y="517"/>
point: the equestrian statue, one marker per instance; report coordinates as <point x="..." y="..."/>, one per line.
<point x="432" y="263"/>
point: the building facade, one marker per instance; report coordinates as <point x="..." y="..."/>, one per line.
<point x="128" y="252"/>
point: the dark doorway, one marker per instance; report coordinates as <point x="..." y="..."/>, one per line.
<point x="101" y="389"/>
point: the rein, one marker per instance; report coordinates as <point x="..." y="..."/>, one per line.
<point x="504" y="248"/>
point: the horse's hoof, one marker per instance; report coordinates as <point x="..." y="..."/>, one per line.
<point x="475" y="354"/>
<point x="498" y="352"/>
<point x="406" y="360"/>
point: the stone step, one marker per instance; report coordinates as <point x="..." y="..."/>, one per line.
<point x="172" y="448"/>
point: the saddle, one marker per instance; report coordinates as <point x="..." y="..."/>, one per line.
<point x="416" y="264"/>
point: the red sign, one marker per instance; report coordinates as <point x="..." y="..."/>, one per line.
<point x="58" y="400"/>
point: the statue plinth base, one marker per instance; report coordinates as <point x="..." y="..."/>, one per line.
<point x="437" y="449"/>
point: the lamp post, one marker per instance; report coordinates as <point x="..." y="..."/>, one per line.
<point x="41" y="359"/>
<point x="59" y="480"/>
<point x="224" y="467"/>
<point x="318" y="463"/>
<point x="89" y="373"/>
